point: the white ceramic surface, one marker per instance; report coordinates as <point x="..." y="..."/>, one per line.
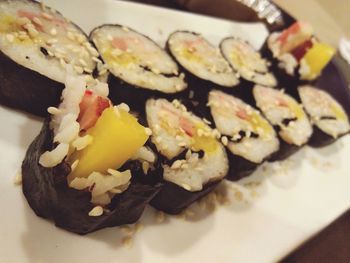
<point x="289" y="203"/>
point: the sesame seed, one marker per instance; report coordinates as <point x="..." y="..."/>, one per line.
<point x="139" y="227"/>
<point x="145" y="167"/>
<point x="96" y="60"/>
<point x="224" y="140"/>
<point x="78" y="69"/>
<point x="176" y="164"/>
<point x="53" y="110"/>
<point x="186" y="187"/>
<point x="127" y="242"/>
<point x="148" y="131"/>
<point x="63" y="63"/>
<point x="182" y="144"/>
<point x="37" y="21"/>
<point x="158" y="139"/>
<point x="53" y="31"/>
<point x="188" y="154"/>
<point x="96" y="211"/>
<point x="18" y="178"/>
<point x="46" y="16"/>
<point x="124" y="107"/>
<point x="124" y="28"/>
<point x="10" y="38"/>
<point x="127" y="230"/>
<point x="160" y="217"/>
<point x="70" y="35"/>
<point x="88" y="70"/>
<point x="175" y="72"/>
<point x="191" y="94"/>
<point x="102" y="72"/>
<point x="182" y="76"/>
<point x="51" y="41"/>
<point x="74" y="165"/>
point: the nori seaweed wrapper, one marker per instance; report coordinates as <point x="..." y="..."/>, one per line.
<point x="284" y="151"/>
<point x="173" y="199"/>
<point x="25" y="89"/>
<point x="48" y="194"/>
<point x="239" y="167"/>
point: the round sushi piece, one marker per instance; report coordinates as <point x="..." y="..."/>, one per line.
<point x="89" y="167"/>
<point x="287" y="116"/>
<point x="298" y="53"/>
<point x="247" y="61"/>
<point x="203" y="64"/>
<point x="248" y="136"/>
<point x="36" y="44"/>
<point x="139" y="67"/>
<point x="328" y="116"/>
<point x="193" y="159"/>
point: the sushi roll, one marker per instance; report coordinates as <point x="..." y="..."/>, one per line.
<point x="328" y="116"/>
<point x="287" y="116"/>
<point x="139" y="67"/>
<point x="36" y="44"/>
<point x="298" y="53"/>
<point x="247" y="61"/>
<point x="194" y="161"/>
<point x="203" y="64"/>
<point x="247" y="135"/>
<point x="89" y="168"/>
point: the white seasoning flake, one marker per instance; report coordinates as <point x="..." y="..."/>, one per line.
<point x="18" y="178"/>
<point x="96" y="211"/>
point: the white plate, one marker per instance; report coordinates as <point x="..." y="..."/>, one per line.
<point x="285" y="209"/>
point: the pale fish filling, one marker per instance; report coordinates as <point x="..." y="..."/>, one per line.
<point x="176" y="130"/>
<point x="251" y="136"/>
<point x="137" y="60"/>
<point x="202" y="59"/>
<point x="247" y="61"/>
<point x="325" y="112"/>
<point x="42" y="40"/>
<point x="284" y="111"/>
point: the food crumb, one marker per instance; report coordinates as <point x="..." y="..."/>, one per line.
<point x="18" y="178"/>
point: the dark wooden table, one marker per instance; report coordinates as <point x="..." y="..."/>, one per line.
<point x="331" y="245"/>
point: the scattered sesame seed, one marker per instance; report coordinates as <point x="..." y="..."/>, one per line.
<point x="145" y="167"/>
<point x="10" y="38"/>
<point x="148" y="131"/>
<point x="78" y="69"/>
<point x="53" y="110"/>
<point x="224" y="140"/>
<point x="182" y="144"/>
<point x="37" y="21"/>
<point x="124" y="107"/>
<point x="176" y="165"/>
<point x="53" y="31"/>
<point x="182" y="76"/>
<point x="88" y="70"/>
<point x="186" y="187"/>
<point x="63" y="63"/>
<point x="18" y="178"/>
<point x="160" y="217"/>
<point x="96" y="211"/>
<point x="127" y="242"/>
<point x="74" y="165"/>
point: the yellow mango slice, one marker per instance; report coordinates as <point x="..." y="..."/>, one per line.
<point x="116" y="138"/>
<point x="316" y="59"/>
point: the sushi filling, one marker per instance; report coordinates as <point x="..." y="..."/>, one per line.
<point x="177" y="131"/>
<point x="325" y="112"/>
<point x="41" y="39"/>
<point x="201" y="59"/>
<point x="284" y="112"/>
<point x="137" y="60"/>
<point x="298" y="51"/>
<point x="247" y="61"/>
<point x="89" y="134"/>
<point x="250" y="135"/>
